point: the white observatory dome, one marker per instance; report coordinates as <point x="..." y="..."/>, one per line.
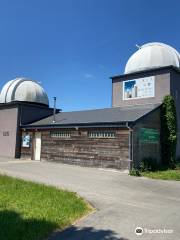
<point x="22" y="89"/>
<point x="153" y="55"/>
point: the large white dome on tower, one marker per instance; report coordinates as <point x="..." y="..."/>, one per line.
<point x="23" y="89"/>
<point x="153" y="55"/>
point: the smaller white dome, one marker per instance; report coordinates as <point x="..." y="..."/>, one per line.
<point x="153" y="55"/>
<point x="23" y="89"/>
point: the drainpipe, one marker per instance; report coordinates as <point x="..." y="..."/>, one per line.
<point x="54" y="111"/>
<point x="130" y="144"/>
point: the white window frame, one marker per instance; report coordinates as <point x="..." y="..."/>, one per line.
<point x="60" y="134"/>
<point x="101" y="134"/>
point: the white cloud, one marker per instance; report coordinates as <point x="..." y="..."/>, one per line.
<point x="88" y="75"/>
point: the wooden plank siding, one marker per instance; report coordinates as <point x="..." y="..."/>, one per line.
<point x="84" y="151"/>
<point x="81" y="150"/>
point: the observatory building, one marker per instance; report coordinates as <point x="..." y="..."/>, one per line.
<point x="115" y="137"/>
<point x="22" y="101"/>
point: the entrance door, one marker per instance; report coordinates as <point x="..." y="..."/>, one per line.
<point x="37" y="146"/>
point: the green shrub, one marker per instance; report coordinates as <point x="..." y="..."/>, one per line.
<point x="149" y="164"/>
<point x="168" y="132"/>
<point x="134" y="172"/>
<point x="177" y="166"/>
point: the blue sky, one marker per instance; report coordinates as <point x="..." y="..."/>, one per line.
<point x="73" y="46"/>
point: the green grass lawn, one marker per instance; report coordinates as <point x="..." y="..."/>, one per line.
<point x="165" y="175"/>
<point x="30" y="211"/>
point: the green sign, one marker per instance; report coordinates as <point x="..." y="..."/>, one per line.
<point x="148" y="135"/>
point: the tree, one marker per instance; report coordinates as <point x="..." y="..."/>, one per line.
<point x="168" y="131"/>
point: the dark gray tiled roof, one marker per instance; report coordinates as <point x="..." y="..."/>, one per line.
<point x="99" y="116"/>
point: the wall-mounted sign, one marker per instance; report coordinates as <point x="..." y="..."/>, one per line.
<point x="6" y="134"/>
<point x="138" y="88"/>
<point x="26" y="139"/>
<point x="149" y="135"/>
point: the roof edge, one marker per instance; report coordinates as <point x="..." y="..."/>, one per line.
<point x="79" y="125"/>
<point x="154" y="109"/>
<point x="24" y="103"/>
<point x="146" y="71"/>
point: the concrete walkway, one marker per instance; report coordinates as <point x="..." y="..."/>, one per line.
<point x="122" y="202"/>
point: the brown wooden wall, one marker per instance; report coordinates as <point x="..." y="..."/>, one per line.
<point x="84" y="151"/>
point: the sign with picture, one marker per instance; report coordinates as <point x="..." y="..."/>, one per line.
<point x="26" y="139"/>
<point x="138" y="88"/>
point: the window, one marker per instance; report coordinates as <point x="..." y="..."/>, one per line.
<point x="60" y="134"/>
<point x="101" y="134"/>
